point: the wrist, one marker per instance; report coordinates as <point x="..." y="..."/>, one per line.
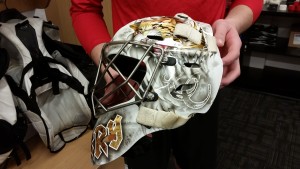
<point x="240" y="17"/>
<point x="96" y="53"/>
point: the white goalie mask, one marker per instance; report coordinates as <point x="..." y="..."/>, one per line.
<point x="159" y="71"/>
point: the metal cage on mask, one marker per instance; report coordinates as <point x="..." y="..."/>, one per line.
<point x="127" y="77"/>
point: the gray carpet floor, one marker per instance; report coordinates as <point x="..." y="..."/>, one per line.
<point x="258" y="131"/>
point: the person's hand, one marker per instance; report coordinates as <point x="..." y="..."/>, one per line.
<point x="229" y="43"/>
<point x="119" y="95"/>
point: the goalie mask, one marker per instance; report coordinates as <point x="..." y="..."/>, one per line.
<point x="154" y="75"/>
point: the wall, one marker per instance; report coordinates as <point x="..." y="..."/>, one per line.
<point x="58" y="13"/>
<point x="24" y="5"/>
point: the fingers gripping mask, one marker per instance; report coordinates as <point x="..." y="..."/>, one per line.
<point x="154" y="75"/>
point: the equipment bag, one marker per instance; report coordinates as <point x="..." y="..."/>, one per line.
<point x="51" y="81"/>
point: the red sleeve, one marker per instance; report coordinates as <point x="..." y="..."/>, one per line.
<point x="88" y="23"/>
<point x="254" y="5"/>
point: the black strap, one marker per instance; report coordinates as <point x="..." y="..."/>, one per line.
<point x="8" y="139"/>
<point x="20" y="129"/>
<point x="30" y="66"/>
<point x="52" y="75"/>
<point x="75" y="54"/>
<point x="4" y="62"/>
<point x="55" y="76"/>
<point x="9" y="14"/>
<point x="19" y="92"/>
<point x="42" y="72"/>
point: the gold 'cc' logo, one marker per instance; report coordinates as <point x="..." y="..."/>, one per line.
<point x="111" y="136"/>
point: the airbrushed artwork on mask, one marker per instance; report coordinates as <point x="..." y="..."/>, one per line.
<point x="105" y="137"/>
<point x="160" y="30"/>
<point x="185" y="85"/>
<point x="186" y="82"/>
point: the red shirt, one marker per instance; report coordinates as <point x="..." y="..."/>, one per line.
<point x="91" y="30"/>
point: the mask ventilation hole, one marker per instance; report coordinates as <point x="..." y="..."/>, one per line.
<point x="192" y="65"/>
<point x="155" y="37"/>
<point x="184" y="87"/>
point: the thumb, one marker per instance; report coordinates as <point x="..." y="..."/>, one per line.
<point x="219" y="32"/>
